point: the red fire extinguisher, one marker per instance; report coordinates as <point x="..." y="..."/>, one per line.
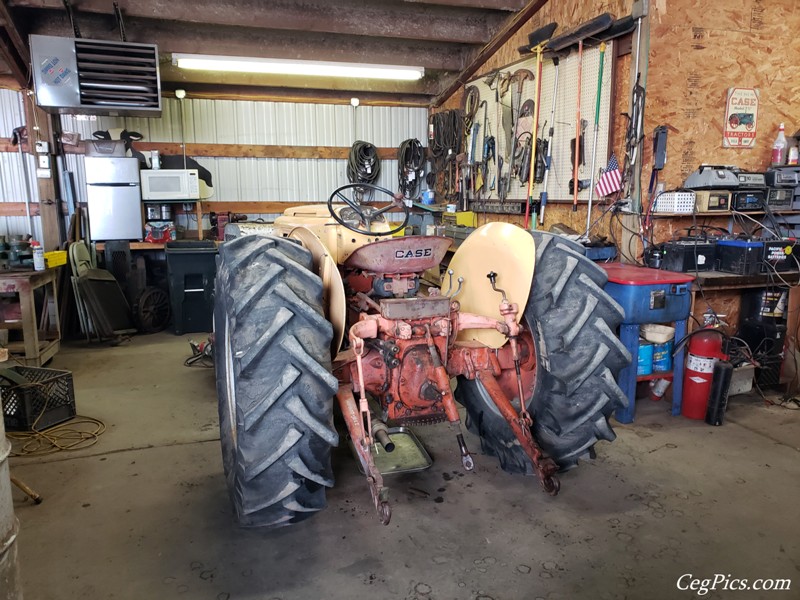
<point x="706" y="347"/>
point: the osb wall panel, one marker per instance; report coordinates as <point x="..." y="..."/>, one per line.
<point x="695" y="58"/>
<point x="726" y="303"/>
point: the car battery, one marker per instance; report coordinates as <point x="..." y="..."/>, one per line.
<point x="779" y="255"/>
<point x="739" y="256"/>
<point x="748" y="200"/>
<point x="712" y="201"/>
<point x="683" y="256"/>
<point x="779" y="198"/>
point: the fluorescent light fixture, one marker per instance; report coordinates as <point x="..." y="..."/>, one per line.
<point x="277" y="66"/>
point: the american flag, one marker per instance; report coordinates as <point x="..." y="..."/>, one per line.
<point x="611" y="179"/>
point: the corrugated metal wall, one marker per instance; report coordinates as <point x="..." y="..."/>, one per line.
<point x="12" y="179"/>
<point x="233" y="122"/>
<point x="273" y="123"/>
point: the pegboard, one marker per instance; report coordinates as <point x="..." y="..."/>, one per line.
<point x="565" y="118"/>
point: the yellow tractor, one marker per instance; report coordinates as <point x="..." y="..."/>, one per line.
<point x="327" y="310"/>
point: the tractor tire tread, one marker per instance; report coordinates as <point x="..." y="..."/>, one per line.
<point x="278" y="465"/>
<point x="578" y="358"/>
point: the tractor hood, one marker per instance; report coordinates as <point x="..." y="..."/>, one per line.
<point x="412" y="254"/>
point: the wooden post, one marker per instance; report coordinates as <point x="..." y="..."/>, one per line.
<point x="49" y="202"/>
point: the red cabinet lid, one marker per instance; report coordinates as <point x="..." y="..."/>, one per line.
<point x="633" y="275"/>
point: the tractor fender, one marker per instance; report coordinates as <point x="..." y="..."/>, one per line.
<point x="334" y="302"/>
<point x="509" y="251"/>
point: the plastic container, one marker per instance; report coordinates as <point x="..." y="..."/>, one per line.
<point x="658" y="334"/>
<point x="742" y="380"/>
<point x="191" y="268"/>
<point x="428" y="197"/>
<point x="644" y="364"/>
<point x="779" y="148"/>
<point x="38" y="256"/>
<point x="662" y="357"/>
<point x="55" y="258"/>
<point x="647" y="295"/>
<point x="793" y="156"/>
<point x="32" y="396"/>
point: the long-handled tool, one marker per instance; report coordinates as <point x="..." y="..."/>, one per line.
<point x="562" y="43"/>
<point x="536" y="44"/>
<point x="577" y="152"/>
<point x="480" y="167"/>
<point x="549" y="160"/>
<point x="596" y="131"/>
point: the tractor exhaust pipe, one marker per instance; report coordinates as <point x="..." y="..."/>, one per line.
<point x="381" y="433"/>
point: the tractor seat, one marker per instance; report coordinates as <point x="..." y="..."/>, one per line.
<point x="401" y="255"/>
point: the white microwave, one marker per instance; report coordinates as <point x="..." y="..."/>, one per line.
<point x="170" y="184"/>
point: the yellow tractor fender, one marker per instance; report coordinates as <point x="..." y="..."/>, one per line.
<point x="334" y="301"/>
<point x="509" y="251"/>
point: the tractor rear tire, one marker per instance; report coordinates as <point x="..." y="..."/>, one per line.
<point x="274" y="383"/>
<point x="573" y="323"/>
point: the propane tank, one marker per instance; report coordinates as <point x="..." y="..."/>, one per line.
<point x="704" y="350"/>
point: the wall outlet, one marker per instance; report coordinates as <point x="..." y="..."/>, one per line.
<point x="42" y="147"/>
<point x="43" y="161"/>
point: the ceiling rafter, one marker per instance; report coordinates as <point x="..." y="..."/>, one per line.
<point x="449" y="38"/>
<point x="348" y="17"/>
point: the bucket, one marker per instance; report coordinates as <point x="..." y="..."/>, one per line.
<point x="645" y="362"/>
<point x="662" y="357"/>
<point x="10" y="587"/>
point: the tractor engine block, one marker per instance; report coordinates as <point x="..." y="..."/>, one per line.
<point x="400" y="372"/>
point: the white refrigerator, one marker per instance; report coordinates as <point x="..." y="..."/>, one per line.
<point x="114" y="198"/>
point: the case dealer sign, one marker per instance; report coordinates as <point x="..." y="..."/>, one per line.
<point x="741" y="118"/>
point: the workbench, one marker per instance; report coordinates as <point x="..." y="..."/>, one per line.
<point x="41" y="335"/>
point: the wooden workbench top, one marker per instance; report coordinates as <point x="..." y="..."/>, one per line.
<point x="719" y="280"/>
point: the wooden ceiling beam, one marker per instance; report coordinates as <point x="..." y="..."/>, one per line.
<point x="173" y="36"/>
<point x="13" y="49"/>
<point x="513" y="25"/>
<point x="454" y="23"/>
<point x="506" y="5"/>
<point x="14" y="35"/>
<point x="280" y="94"/>
<point x="11" y="61"/>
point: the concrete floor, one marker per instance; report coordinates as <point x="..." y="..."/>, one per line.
<point x="144" y="513"/>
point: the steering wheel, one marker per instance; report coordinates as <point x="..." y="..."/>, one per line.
<point x="366" y="215"/>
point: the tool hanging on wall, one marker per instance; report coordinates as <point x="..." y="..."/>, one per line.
<point x="549" y="160"/>
<point x="518" y="78"/>
<point x="536" y="44"/>
<point x="445" y="145"/>
<point x="480" y="174"/>
<point x="410" y="168"/>
<point x="596" y="132"/>
<point x="561" y="43"/>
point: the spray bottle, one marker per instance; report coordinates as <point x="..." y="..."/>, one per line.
<point x="779" y="148"/>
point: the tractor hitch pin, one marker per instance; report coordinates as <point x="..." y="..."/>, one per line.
<point x="443" y="382"/>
